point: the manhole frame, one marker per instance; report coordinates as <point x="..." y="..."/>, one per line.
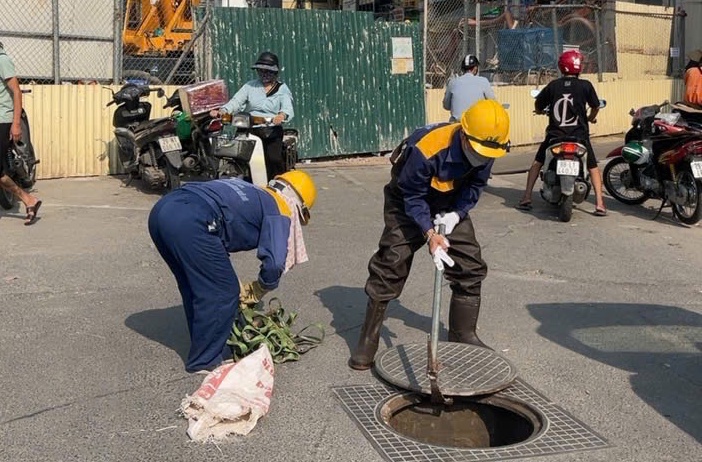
<point x="561" y="433"/>
<point x="489" y="400"/>
<point x="414" y="357"/>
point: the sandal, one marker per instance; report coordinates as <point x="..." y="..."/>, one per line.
<point x="524" y="206"/>
<point x="32" y="211"/>
<point x="600" y="212"/>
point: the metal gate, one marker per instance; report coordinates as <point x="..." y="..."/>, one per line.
<point x="357" y="84"/>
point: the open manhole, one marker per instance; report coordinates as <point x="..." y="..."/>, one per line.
<point x="515" y="423"/>
<point x="486" y="422"/>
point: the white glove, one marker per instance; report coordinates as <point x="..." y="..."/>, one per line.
<point x="440" y="257"/>
<point x="450" y="220"/>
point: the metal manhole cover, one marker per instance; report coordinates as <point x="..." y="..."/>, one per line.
<point x="465" y="370"/>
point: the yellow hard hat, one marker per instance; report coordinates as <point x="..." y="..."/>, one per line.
<point x="486" y="125"/>
<point x="303" y="185"/>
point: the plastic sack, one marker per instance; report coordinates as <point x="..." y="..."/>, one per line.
<point x="231" y="399"/>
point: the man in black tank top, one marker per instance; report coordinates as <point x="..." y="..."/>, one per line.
<point x="567" y="99"/>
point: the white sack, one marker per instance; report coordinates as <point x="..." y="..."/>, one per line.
<point x="231" y="399"/>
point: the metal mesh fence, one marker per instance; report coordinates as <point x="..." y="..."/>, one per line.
<point x="518" y="42"/>
<point x="54" y="41"/>
<point x="84" y="41"/>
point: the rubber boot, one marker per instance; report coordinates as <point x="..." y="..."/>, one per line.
<point x="463" y="320"/>
<point x="362" y="357"/>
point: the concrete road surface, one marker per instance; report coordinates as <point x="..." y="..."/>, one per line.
<point x="601" y="315"/>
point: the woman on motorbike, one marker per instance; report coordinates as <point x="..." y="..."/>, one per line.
<point x="265" y="97"/>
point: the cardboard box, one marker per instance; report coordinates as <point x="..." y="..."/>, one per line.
<point x="202" y="97"/>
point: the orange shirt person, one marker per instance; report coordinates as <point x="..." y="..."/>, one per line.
<point x="693" y="79"/>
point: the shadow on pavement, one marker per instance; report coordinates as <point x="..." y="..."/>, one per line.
<point x="540" y="209"/>
<point x="659" y="345"/>
<point x="348" y="308"/>
<point x="166" y="326"/>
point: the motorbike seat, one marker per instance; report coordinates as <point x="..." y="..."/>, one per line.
<point x="149" y="124"/>
<point x="124" y="132"/>
<point x="567" y="139"/>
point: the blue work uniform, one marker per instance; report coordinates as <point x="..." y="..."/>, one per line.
<point x="432" y="176"/>
<point x="195" y="228"/>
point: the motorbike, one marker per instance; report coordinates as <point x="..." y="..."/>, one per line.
<point x="22" y="163"/>
<point x="564" y="176"/>
<point x="241" y="152"/>
<point x="662" y="159"/>
<point x="197" y="135"/>
<point x="148" y="148"/>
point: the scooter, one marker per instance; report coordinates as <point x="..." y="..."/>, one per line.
<point x="148" y="149"/>
<point x="240" y="152"/>
<point x="22" y="162"/>
<point x="662" y="159"/>
<point x="564" y="176"/>
<point x="197" y="135"/>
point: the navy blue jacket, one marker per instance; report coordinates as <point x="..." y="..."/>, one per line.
<point x="250" y="218"/>
<point x="437" y="177"/>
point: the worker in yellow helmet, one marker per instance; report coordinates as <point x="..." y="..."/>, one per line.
<point x="196" y="227"/>
<point x="437" y="177"/>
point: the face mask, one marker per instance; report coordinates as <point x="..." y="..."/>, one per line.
<point x="266" y="76"/>
<point x="475" y="159"/>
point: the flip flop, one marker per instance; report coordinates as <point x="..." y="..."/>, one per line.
<point x="525" y="206"/>
<point x="32" y="211"/>
<point x="600" y="212"/>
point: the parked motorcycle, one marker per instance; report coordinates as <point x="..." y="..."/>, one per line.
<point x="22" y="163"/>
<point x="197" y="135"/>
<point x="662" y="159"/>
<point x="148" y="149"/>
<point x="564" y="175"/>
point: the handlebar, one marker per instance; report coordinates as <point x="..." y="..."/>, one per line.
<point x="131" y="92"/>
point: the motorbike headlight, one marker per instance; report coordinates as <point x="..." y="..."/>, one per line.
<point x="241" y="120"/>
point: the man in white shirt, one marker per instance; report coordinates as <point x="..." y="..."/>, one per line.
<point x="464" y="91"/>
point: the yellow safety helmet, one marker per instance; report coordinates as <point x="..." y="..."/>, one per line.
<point x="303" y="185"/>
<point x="486" y="125"/>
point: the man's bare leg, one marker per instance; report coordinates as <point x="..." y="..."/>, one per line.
<point x="596" y="178"/>
<point x="531" y="181"/>
<point x="31" y="203"/>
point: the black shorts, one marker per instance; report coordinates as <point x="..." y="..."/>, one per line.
<point x="5" y="144"/>
<point x="591" y="160"/>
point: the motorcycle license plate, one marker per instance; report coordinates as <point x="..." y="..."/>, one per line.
<point x="567" y="167"/>
<point x="696" y="167"/>
<point x="171" y="143"/>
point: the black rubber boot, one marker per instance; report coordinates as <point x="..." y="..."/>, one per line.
<point x="463" y="320"/>
<point x="362" y="357"/>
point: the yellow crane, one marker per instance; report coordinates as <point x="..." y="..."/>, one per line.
<point x="157" y="27"/>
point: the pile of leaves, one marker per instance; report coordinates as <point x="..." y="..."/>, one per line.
<point x="273" y="326"/>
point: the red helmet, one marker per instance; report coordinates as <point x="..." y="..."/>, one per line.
<point x="571" y="62"/>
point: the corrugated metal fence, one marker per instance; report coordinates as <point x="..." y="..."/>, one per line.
<point x="356" y="83"/>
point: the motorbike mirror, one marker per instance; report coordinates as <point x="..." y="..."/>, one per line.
<point x="603" y="103"/>
<point x="111" y="90"/>
<point x="160" y="93"/>
<point x="534" y="93"/>
<point x="505" y="105"/>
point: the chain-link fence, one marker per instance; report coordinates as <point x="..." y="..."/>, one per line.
<point x="518" y="41"/>
<point x="58" y="40"/>
<point x="83" y="41"/>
